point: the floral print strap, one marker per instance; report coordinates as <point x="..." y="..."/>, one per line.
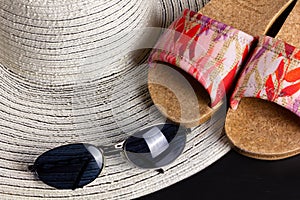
<point x="273" y="74"/>
<point x="209" y="50"/>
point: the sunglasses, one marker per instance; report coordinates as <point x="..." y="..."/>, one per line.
<point x="76" y="165"/>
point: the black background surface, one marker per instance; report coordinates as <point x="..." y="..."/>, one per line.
<point x="237" y="177"/>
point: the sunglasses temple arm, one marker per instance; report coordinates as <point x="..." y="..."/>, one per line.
<point x="32" y="168"/>
<point x="160" y="171"/>
<point x="80" y="173"/>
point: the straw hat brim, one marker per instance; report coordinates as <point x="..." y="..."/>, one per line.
<point x="57" y="87"/>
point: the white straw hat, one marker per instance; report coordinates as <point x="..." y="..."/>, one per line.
<point x="64" y="79"/>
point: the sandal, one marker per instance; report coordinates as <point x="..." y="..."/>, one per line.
<point x="214" y="62"/>
<point x="264" y="120"/>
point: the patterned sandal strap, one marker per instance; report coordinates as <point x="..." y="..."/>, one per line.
<point x="272" y="73"/>
<point x="210" y="51"/>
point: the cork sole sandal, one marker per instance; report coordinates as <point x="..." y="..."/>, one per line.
<point x="264" y="122"/>
<point x="210" y="51"/>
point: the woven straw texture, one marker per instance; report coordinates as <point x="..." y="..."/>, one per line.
<point x="64" y="78"/>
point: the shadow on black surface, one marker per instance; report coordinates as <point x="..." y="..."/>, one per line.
<point x="238" y="177"/>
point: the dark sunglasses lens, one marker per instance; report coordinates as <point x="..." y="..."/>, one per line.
<point x="70" y="166"/>
<point x="156" y="146"/>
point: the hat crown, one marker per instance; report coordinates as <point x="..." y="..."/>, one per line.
<point x="58" y="42"/>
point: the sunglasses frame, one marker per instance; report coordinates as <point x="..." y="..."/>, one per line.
<point x="120" y="147"/>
